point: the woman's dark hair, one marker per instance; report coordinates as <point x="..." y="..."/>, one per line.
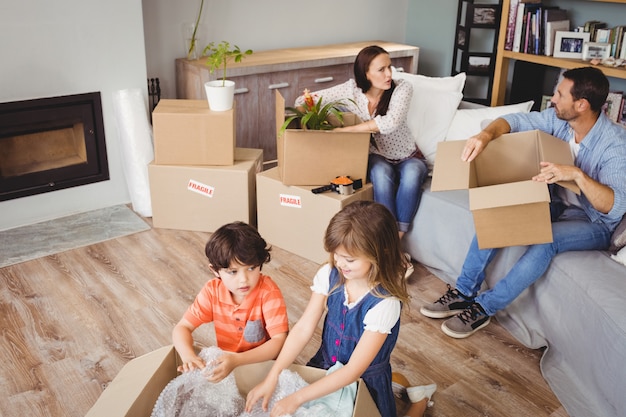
<point x="589" y="83"/>
<point x="361" y="66"/>
<point x="237" y="241"/>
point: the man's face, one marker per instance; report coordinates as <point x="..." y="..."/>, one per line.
<point x="563" y="102"/>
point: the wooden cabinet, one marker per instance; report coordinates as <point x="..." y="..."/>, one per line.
<point x="503" y="58"/>
<point x="288" y="70"/>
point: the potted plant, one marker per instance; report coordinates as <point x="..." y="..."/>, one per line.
<point x="313" y="116"/>
<point x="220" y="93"/>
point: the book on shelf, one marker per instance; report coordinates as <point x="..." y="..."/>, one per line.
<point x="613" y="105"/>
<point x="522" y="8"/>
<point x="622" y="53"/>
<point x="550" y="34"/>
<point x="592" y="27"/>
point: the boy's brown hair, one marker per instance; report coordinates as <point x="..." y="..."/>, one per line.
<point x="239" y="242"/>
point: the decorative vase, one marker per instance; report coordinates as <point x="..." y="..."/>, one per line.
<point x="220" y="94"/>
<point x="192" y="35"/>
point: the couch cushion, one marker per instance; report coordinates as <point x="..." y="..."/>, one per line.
<point x="434" y="102"/>
<point x="468" y="122"/>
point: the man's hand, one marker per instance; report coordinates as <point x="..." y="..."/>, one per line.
<point x="551" y="173"/>
<point x="474" y="146"/>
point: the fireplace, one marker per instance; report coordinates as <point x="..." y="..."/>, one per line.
<point x="50" y="144"/>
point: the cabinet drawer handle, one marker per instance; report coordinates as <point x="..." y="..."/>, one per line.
<point x="323" y="80"/>
<point x="241" y="90"/>
<point x="278" y="85"/>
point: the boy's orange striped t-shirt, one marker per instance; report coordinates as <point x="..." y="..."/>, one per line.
<point x="239" y="328"/>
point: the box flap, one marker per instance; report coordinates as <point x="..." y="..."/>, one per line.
<point x="135" y="389"/>
<point x="449" y="171"/>
<point x="557" y="151"/>
<point x="502" y="195"/>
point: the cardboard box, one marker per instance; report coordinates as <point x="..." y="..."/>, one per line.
<point x="315" y="157"/>
<point x="509" y="208"/>
<point x="187" y="132"/>
<point x="295" y="219"/>
<point x="203" y="198"/>
<point x="135" y="390"/>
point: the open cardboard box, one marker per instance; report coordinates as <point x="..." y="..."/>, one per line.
<point x="315" y="157"/>
<point x="508" y="207"/>
<point x="135" y="390"/>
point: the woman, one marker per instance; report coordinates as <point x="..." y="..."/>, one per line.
<point x="396" y="166"/>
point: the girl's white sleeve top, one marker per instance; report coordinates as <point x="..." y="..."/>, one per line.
<point x="381" y="318"/>
<point x="394" y="140"/>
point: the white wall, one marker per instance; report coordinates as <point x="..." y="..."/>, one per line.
<point x="268" y="24"/>
<point x="60" y="47"/>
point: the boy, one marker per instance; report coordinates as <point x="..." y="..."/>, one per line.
<point x="246" y="307"/>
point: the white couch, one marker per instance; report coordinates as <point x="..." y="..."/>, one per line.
<point x="577" y="310"/>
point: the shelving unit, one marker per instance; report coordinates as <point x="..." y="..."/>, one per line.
<point x="475" y="45"/>
<point x="503" y="59"/>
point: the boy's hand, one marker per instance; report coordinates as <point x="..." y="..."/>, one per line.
<point x="222" y="367"/>
<point x="192" y="363"/>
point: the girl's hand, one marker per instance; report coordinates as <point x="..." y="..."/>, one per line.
<point x="262" y="391"/>
<point x="286" y="406"/>
<point x="221" y="367"/>
<point x="192" y="363"/>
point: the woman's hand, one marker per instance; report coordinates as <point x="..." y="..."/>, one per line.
<point x="263" y="391"/>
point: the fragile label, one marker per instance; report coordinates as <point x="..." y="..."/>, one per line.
<point x="198" y="187"/>
<point x="290" y="201"/>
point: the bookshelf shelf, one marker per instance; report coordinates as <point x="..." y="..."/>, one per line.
<point x="504" y="57"/>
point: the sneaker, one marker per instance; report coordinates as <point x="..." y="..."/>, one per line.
<point x="467" y="323"/>
<point x="449" y="304"/>
<point x="409" y="266"/>
<point x="417" y="394"/>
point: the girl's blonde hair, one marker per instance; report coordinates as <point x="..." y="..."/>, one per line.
<point x="368" y="229"/>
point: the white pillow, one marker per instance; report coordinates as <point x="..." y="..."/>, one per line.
<point x="468" y="122"/>
<point x="433" y="105"/>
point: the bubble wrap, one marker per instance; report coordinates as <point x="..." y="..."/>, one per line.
<point x="191" y="394"/>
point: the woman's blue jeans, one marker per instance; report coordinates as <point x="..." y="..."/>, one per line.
<point x="571" y="232"/>
<point x="398" y="186"/>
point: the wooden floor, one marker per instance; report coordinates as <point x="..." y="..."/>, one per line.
<point x="70" y="321"/>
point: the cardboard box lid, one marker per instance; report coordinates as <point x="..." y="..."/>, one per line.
<point x="187" y="106"/>
<point x="509" y="158"/>
<point x="510" y="194"/>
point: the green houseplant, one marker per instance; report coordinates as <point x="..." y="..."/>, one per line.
<point x="312" y="115"/>
<point x="220" y="93"/>
<point x="219" y="55"/>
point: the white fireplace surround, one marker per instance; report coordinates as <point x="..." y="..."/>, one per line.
<point x="71" y="47"/>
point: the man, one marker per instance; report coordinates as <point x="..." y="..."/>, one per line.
<point x="579" y="222"/>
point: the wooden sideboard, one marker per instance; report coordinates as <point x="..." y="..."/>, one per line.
<point x="288" y="70"/>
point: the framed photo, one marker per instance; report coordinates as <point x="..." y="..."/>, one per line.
<point x="546" y="102"/>
<point x="460" y="39"/>
<point x="596" y="50"/>
<point x="479" y="64"/>
<point x="570" y="44"/>
<point x="485" y="14"/>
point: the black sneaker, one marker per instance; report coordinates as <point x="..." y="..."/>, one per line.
<point x="467" y="323"/>
<point x="449" y="304"/>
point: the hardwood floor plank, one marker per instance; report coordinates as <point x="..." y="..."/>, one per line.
<point x="70" y="321"/>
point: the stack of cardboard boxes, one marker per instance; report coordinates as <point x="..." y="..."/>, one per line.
<point x="290" y="216"/>
<point x="199" y="180"/>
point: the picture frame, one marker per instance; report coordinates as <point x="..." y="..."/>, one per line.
<point x="570" y="44"/>
<point x="485" y="14"/>
<point x="546" y="102"/>
<point x="478" y="64"/>
<point x="596" y="50"/>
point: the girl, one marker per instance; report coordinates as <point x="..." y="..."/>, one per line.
<point x="362" y="289"/>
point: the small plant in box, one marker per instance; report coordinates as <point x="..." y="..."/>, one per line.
<point x="219" y="55"/>
<point x="312" y="115"/>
